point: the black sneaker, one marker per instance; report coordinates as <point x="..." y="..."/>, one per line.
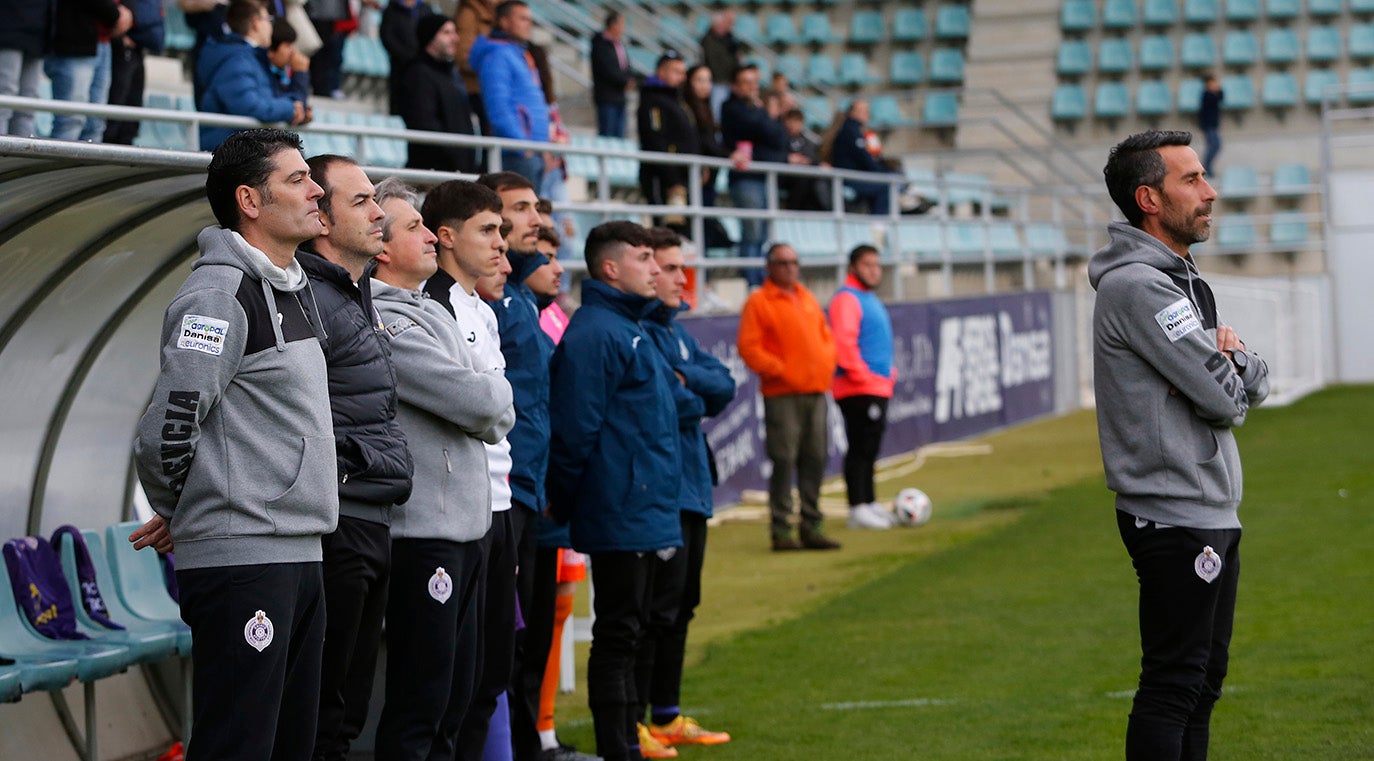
<point x="785" y="543"/>
<point x="818" y="542"/>
<point x="565" y="753"/>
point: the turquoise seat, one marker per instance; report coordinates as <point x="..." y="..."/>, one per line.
<point x="1282" y="9"/>
<point x="1289" y="229"/>
<point x="137" y="576"/>
<point x="941" y="110"/>
<point x="1004" y="239"/>
<point x="887" y="113"/>
<point x="1319" y="80"/>
<point x="1362" y="6"/>
<point x="1291" y="180"/>
<point x="1069" y="103"/>
<point x="36" y="675"/>
<point x="1119" y="14"/>
<point x="1240" y="92"/>
<point x="820" y="70"/>
<point x="146" y="644"/>
<point x="1236" y="230"/>
<point x="119" y="612"/>
<point x="1189" y="95"/>
<point x="1240" y="47"/>
<point x="1077" y="15"/>
<point x="1199" y="51"/>
<point x="1075" y="57"/>
<point x="947" y="66"/>
<point x="854" y="70"/>
<point x="866" y="28"/>
<point x="1323" y="44"/>
<point x="1160" y="12"/>
<point x="1361" y="86"/>
<point x="1153" y="98"/>
<point x="1324" y="7"/>
<point x="1112" y="101"/>
<point x="764" y="66"/>
<point x="1114" y="56"/>
<point x="1156" y="53"/>
<point x="179" y="34"/>
<point x="815" y="29"/>
<point x="1280" y="90"/>
<point x="1239" y="182"/>
<point x="921" y="237"/>
<point x="11" y="685"/>
<point x="1281" y="46"/>
<point x="1200" y="11"/>
<point x="791" y="65"/>
<point x="818" y="110"/>
<point x="966" y="240"/>
<point x="1361" y="41"/>
<point x="909" y="25"/>
<point x="907" y="68"/>
<point x="20" y="641"/>
<point x="781" y="30"/>
<point x="1046" y="239"/>
<point x="1242" y="10"/>
<point x="747" y="28"/>
<point x="952" y="22"/>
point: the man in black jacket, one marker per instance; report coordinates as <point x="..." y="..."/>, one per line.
<point x="611" y="77"/>
<point x="374" y="463"/>
<point x="75" y="55"/>
<point x="431" y="97"/>
<point x="400" y="19"/>
<point x="744" y="120"/>
<point x="665" y="125"/>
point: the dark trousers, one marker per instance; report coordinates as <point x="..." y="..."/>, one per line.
<point x="677" y="592"/>
<point x="326" y="66"/>
<point x="610" y="119"/>
<point x="496" y="652"/>
<point x="126" y="89"/>
<point x="432" y="648"/>
<point x="623" y="582"/>
<point x="865" y="419"/>
<point x="1185" y="636"/>
<point x="357" y="566"/>
<point x="537" y="590"/>
<point x="795" y="428"/>
<point x="248" y="703"/>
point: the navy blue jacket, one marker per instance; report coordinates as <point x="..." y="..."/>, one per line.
<point x="850" y="150"/>
<point x="613" y="456"/>
<point x="744" y="120"/>
<point x="527" y="349"/>
<point x="232" y="80"/>
<point x="28" y="26"/>
<point x="709" y="388"/>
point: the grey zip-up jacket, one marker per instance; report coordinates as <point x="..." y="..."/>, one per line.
<point x="236" y="449"/>
<point x="1167" y="399"/>
<point x="448" y="411"/>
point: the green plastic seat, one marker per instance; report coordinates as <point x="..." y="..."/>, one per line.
<point x="909" y="25"/>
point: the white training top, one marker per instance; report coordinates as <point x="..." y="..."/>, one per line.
<point x="477" y="324"/>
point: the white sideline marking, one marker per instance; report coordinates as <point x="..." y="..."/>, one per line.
<point x="860" y="705"/>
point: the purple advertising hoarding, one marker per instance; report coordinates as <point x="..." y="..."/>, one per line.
<point x="964" y="367"/>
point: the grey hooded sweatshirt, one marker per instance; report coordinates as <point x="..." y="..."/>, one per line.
<point x="236" y="449"/>
<point x="448" y="410"/>
<point x="1167" y="399"/>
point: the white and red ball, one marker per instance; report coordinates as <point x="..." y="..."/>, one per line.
<point x="911" y="507"/>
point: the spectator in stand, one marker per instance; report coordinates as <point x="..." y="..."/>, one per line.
<point x="750" y="131"/>
<point x="474" y="19"/>
<point x="23" y="42"/>
<point x="665" y="126"/>
<point x="234" y="79"/>
<point x="781" y="89"/>
<point x="326" y="65"/>
<point x="78" y="62"/>
<point x="287" y="67"/>
<point x="720" y="51"/>
<point x="857" y="147"/>
<point x="1209" y="119"/>
<point x="206" y="19"/>
<point x="802" y="193"/>
<point x="696" y="96"/>
<point x="431" y="98"/>
<point x="511" y="91"/>
<point x="784" y="338"/>
<point x="611" y="76"/>
<point x="400" y="19"/>
<point x="863" y="380"/>
<point x="126" y="65"/>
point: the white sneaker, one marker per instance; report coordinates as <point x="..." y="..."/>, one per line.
<point x="870" y="516"/>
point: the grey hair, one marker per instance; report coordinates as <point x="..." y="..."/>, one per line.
<point x="392" y="189"/>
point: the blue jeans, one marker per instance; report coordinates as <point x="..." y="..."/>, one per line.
<point x="18" y="76"/>
<point x="530" y="167"/>
<point x="610" y="119"/>
<point x="72" y="78"/>
<point x="874" y="194"/>
<point x="750" y="193"/>
<point x="94" y="130"/>
<point x="1213" y="138"/>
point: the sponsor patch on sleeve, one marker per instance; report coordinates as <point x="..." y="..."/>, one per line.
<point x="1178" y="319"/>
<point x="203" y="334"/>
<point x="401" y="325"/>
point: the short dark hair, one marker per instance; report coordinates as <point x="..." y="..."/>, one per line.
<point x="746" y="67"/>
<point x="795" y="113"/>
<point x="244" y="158"/>
<point x="611" y="18"/>
<point x="860" y="252"/>
<point x="1135" y="161"/>
<point x="240" y="14"/>
<point x="457" y="201"/>
<point x="503" y="181"/>
<point x="504" y="8"/>
<point x="319" y="172"/>
<point x="773" y="248"/>
<point x="282" y="33"/>
<point x="550" y="235"/>
<point x="668" y="57"/>
<point x="609" y="239"/>
<point x="662" y="237"/>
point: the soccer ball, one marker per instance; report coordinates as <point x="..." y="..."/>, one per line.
<point x="911" y="508"/>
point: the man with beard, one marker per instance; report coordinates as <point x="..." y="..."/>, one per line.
<point x="1171" y="382"/>
<point x="430" y="97"/>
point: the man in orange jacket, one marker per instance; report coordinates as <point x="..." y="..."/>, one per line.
<point x="784" y="338"/>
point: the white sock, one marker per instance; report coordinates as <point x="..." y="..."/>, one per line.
<point x="548" y="740"/>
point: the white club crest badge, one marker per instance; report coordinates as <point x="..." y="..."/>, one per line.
<point x="1207" y="565"/>
<point x="258" y="631"/>
<point x="440" y="586"/>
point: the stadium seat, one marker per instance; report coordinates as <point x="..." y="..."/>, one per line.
<point x="1189" y="95"/>
<point x="1280" y="90"/>
<point x="1046" y="239"/>
<point x="947" y="66"/>
<point x="1153" y="98"/>
<point x="765" y="67"/>
<point x="941" y="110"/>
<point x="1114" y="56"/>
<point x="1282" y="9"/>
<point x="866" y="28"/>
<point x="966" y="240"/>
<point x="1112" y="101"/>
<point x="1240" y="92"/>
<point x="1236" y="230"/>
<point x="1077" y="16"/>
<point x="1323" y="44"/>
<point x="1005" y="239"/>
<point x="1160" y="12"/>
<point x="1242" y="10"/>
<point x="815" y="29"/>
<point x="118" y="611"/>
<point x="820" y="70"/>
<point x="1319" y="80"/>
<point x="1240" y="47"/>
<point x="907" y="68"/>
<point x="921" y="237"/>
<point x="818" y="110"/>
<point x="952" y="22"/>
<point x="1075" y="57"/>
<point x="1361" y="41"/>
<point x="887" y="113"/>
<point x="1200" y="11"/>
<point x="642" y="60"/>
<point x="171" y="136"/>
<point x="1156" y="53"/>
<point x="1199" y="51"/>
<point x="1292" y="180"/>
<point x="179" y="35"/>
<point x="747" y="28"/>
<point x="1070" y="103"/>
<point x="1362" y="6"/>
<point x="1289" y="229"/>
<point x="781" y="30"/>
<point x="672" y="28"/>
<point x="1324" y="7"/>
<point x="1119" y="14"/>
<point x="792" y="67"/>
<point x="854" y="71"/>
<point x="909" y="25"/>
<point x="1360" y="85"/>
<point x="1280" y="46"/>
<point x="1239" y="182"/>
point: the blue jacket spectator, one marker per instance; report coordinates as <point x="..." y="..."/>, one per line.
<point x="510" y="88"/>
<point x="235" y="81"/>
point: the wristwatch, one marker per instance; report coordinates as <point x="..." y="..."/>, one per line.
<point x="1241" y="360"/>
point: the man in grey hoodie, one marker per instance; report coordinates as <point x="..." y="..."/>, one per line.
<point x="449" y="409"/>
<point x="1171" y="382"/>
<point x="236" y="455"/>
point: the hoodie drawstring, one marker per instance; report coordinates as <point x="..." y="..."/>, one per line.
<point x="313" y="315"/>
<point x="270" y="295"/>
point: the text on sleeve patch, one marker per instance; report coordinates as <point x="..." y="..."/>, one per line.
<point x="1178" y="319"/>
<point x="203" y="334"/>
